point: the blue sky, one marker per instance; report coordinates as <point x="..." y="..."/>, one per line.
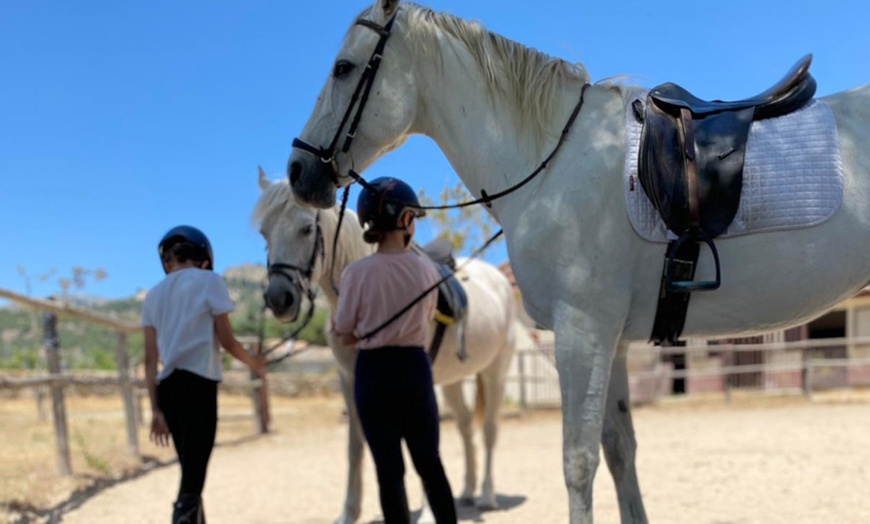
<point x="119" y="120"/>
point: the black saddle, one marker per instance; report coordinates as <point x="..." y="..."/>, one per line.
<point x="789" y="94"/>
<point x="440" y="251"/>
<point x="452" y="298"/>
<point x="690" y="165"/>
<point x="692" y="151"/>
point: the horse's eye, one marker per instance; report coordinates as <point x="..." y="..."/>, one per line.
<point x="307" y="230"/>
<point x="342" y="68"/>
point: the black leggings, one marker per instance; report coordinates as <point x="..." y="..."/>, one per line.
<point x="395" y="400"/>
<point x="189" y="403"/>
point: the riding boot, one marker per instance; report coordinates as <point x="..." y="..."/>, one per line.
<point x="188" y="510"/>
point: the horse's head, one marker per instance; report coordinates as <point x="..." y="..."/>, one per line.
<point x="365" y="109"/>
<point x="295" y="243"/>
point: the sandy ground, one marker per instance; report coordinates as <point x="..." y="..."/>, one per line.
<point x="774" y="461"/>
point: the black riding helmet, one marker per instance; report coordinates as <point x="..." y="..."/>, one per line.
<point x="191" y="235"/>
<point x="380" y="207"/>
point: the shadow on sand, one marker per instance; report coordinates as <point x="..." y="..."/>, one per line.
<point x="28" y="514"/>
<point x="467" y="512"/>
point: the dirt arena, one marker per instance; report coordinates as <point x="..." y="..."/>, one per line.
<point x="768" y="460"/>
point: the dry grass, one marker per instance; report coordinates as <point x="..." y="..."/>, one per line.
<point x="29" y="480"/>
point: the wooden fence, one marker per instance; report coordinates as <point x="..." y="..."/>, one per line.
<point x="802" y="367"/>
<point x="57" y="380"/>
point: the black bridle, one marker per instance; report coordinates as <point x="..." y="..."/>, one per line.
<point x="300" y="277"/>
<point x="363" y="89"/>
<point x="361" y="93"/>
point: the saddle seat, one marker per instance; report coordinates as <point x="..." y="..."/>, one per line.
<point x="787" y="95"/>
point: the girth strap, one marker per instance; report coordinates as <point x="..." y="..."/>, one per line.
<point x="681" y="260"/>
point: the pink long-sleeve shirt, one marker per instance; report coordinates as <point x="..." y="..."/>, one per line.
<point x="377" y="287"/>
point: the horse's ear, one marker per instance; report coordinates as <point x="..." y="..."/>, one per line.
<point x="264" y="180"/>
<point x="388" y="7"/>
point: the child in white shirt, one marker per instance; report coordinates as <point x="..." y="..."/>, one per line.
<point x="184" y="317"/>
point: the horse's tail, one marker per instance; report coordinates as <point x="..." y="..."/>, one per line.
<point x="479" y="401"/>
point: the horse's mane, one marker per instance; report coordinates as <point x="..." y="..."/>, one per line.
<point x="526" y="78"/>
<point x="278" y="197"/>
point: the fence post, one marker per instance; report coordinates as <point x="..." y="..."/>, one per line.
<point x="50" y="342"/>
<point x="807" y="377"/>
<point x="39" y="395"/>
<point x="260" y="399"/>
<point x="521" y="369"/>
<point x="122" y="360"/>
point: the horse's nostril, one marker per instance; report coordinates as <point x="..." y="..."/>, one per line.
<point x="294" y="171"/>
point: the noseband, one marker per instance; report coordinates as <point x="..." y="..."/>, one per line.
<point x="296" y="274"/>
<point x="361" y="93"/>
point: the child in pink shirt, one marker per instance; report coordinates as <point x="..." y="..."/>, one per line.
<point x="393" y="388"/>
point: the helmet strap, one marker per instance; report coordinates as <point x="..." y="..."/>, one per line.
<point x="406" y="227"/>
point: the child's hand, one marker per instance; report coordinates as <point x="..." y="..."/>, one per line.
<point x="258" y="365"/>
<point x="159" y="429"/>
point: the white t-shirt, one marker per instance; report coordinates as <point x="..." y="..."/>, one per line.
<point x="181" y="308"/>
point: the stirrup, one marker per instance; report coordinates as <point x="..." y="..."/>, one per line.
<point x="688" y="286"/>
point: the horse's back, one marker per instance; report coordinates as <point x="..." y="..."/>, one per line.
<point x="488" y="327"/>
<point x="851" y="110"/>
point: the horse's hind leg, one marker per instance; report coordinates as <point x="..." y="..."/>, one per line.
<point x="453" y="396"/>
<point x="619" y="443"/>
<point x="492" y="380"/>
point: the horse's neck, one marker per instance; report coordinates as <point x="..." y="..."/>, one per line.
<point x="480" y="135"/>
<point x="349" y="248"/>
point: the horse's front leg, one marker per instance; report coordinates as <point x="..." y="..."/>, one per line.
<point x="355" y="450"/>
<point x="585" y="346"/>
<point x="453" y="396"/>
<point x="619" y="443"/>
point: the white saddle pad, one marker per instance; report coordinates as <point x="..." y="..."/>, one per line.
<point x="792" y="177"/>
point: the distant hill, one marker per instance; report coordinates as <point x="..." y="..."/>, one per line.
<point x="85" y="345"/>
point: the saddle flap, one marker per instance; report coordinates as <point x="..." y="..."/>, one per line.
<point x="718" y="146"/>
<point x="452" y="298"/>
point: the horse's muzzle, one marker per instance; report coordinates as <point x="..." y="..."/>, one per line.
<point x="282" y="304"/>
<point x="312" y="181"/>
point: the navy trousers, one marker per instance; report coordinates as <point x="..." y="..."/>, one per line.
<point x="189" y="403"/>
<point x="395" y="400"/>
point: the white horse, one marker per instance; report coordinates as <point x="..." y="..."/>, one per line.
<point x="302" y="237"/>
<point x="495" y="107"/>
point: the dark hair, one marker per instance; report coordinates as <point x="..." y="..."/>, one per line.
<point x="373" y="236"/>
<point x="181" y="252"/>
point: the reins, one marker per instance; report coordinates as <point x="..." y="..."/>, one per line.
<point x="487" y="199"/>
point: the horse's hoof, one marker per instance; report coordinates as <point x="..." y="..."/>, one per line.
<point x="345" y="519"/>
<point x="487" y="504"/>
<point x="426" y="517"/>
<point x="466" y="500"/>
